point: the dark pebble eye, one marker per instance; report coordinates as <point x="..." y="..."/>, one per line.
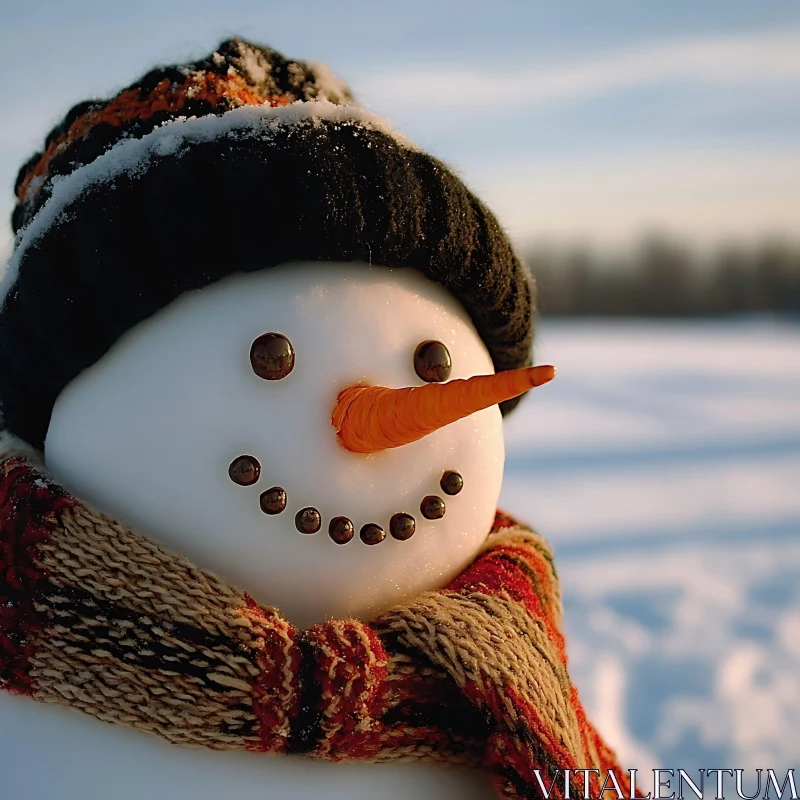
<point x="432" y="362"/>
<point x="308" y="520"/>
<point x="451" y="482"/>
<point x="432" y="507"/>
<point x="372" y="534"/>
<point x="341" y="530"/>
<point x="273" y="501"/>
<point x="244" y="470"/>
<point x="402" y="526"/>
<point x="272" y="356"/>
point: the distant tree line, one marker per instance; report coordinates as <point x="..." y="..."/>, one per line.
<point x="664" y="278"/>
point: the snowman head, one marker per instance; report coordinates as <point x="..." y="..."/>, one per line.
<point x="210" y="425"/>
<point x="255" y="335"/>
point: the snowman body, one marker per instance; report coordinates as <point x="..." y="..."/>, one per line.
<point x="58" y="753"/>
<point x="148" y="434"/>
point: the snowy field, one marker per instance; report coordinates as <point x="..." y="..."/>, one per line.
<point x="663" y="464"/>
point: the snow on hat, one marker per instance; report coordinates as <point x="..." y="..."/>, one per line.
<point x="238" y="162"/>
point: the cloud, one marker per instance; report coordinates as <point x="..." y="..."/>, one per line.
<point x="767" y="57"/>
<point x="703" y="195"/>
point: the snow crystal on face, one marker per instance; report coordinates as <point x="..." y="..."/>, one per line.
<point x="133" y="156"/>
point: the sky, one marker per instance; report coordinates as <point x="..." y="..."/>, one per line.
<point x="577" y="121"/>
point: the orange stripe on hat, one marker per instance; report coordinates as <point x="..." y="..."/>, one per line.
<point x="166" y="96"/>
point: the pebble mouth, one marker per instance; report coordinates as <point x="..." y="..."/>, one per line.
<point x="402" y="526"/>
<point x="245" y="470"/>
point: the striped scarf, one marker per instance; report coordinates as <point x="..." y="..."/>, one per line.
<point x="98" y="618"/>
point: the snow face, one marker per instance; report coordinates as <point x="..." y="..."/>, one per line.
<point x="663" y="466"/>
<point x="148" y="433"/>
<point x="133" y="156"/>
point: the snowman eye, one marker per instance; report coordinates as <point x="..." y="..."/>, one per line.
<point x="244" y="470"/>
<point x="272" y="356"/>
<point x="432" y="362"/>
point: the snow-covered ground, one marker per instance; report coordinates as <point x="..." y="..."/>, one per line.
<point x="663" y="464"/>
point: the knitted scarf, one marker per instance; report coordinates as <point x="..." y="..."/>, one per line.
<point x="98" y="618"/>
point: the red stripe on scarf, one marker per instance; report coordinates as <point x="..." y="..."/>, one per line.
<point x="523" y="742"/>
<point x="28" y="512"/>
<point x="275" y="696"/>
<point x="351" y="671"/>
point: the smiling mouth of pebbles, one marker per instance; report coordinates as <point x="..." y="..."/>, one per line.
<point x="245" y="470"/>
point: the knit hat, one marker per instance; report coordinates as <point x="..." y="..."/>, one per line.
<point x="238" y="162"/>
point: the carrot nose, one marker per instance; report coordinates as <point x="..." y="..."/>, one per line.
<point x="369" y="419"/>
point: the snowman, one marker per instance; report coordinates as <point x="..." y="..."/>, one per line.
<point x="255" y="349"/>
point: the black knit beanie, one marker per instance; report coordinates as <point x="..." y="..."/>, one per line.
<point x="239" y="162"/>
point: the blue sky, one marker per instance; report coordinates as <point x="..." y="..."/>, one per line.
<point x="577" y="121"/>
